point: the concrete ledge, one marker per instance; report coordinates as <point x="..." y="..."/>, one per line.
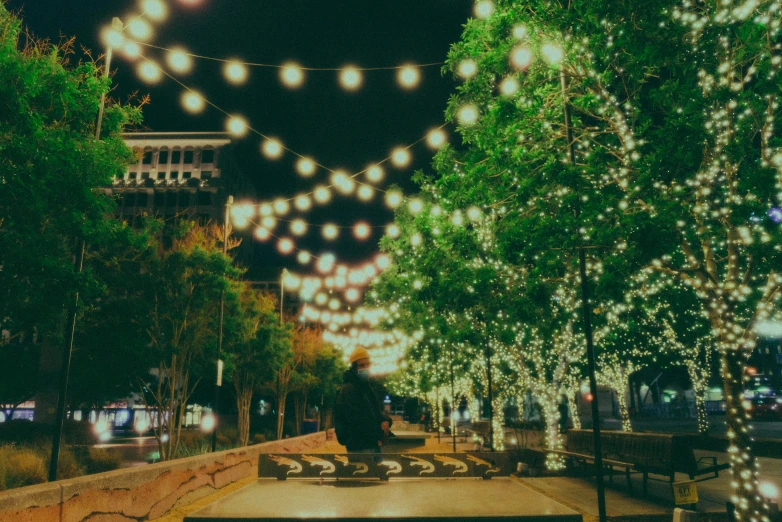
<point x="141" y="493"/>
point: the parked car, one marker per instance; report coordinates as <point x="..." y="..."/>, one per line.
<point x="768" y="407"/>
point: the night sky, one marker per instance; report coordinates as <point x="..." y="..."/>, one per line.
<point x="339" y="129"/>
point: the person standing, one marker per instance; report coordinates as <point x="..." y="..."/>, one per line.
<point x="358" y="420"/>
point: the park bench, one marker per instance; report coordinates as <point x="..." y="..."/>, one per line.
<point x="647" y="453"/>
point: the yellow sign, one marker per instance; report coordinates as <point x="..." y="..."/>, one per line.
<point x="685" y="492"/>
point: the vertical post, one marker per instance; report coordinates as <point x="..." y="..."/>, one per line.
<point x="218" y="369"/>
<point x="587" y="313"/>
<point x="491" y="398"/>
<point x="453" y="408"/>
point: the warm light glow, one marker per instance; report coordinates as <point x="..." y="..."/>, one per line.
<point x="281" y="206"/>
<point x="467" y="114"/>
<point x="334" y="304"/>
<point x="436" y="138"/>
<point x="375" y="173"/>
<point x="193" y="102"/>
<point x="285" y="246"/>
<point x="131" y="50"/>
<point x="467" y="69"/>
<point x="150" y="72"/>
<point x="208" y="422"/>
<point x="266" y="209"/>
<point x="235" y="72"/>
<point x="350" y="78"/>
<point x="520" y="32"/>
<point x="269" y="222"/>
<point x="393" y="198"/>
<point x="416" y="239"/>
<point x="521" y="57"/>
<point x="322" y="194"/>
<point x="179" y="60"/>
<point x="361" y="231"/>
<point x="330" y="231"/>
<point x="408" y="76"/>
<point x="342" y="182"/>
<point x="382" y="261"/>
<point x="509" y="86"/>
<point x="242" y="211"/>
<point x="140" y="29"/>
<point x="112" y="38"/>
<point x="304" y="257"/>
<point x="292" y="75"/>
<point x="326" y="263"/>
<point x="352" y="295"/>
<point x="262" y="233"/>
<point x="365" y="192"/>
<point x="298" y="227"/>
<point x="154" y="9"/>
<point x="393" y="231"/>
<point x="483" y="9"/>
<point x="237" y="126"/>
<point x="768" y="490"/>
<point x="303" y="202"/>
<point x="272" y="148"/>
<point x="552" y="53"/>
<point x="306" y="167"/>
<point x="473" y="213"/>
<point x="415" y="206"/>
<point x="400" y="157"/>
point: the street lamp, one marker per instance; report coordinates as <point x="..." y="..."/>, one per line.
<point x="219" y="374"/>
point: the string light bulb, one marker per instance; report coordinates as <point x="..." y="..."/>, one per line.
<point x="298" y="227"/>
<point x="352" y="295"/>
<point x="306" y="167"/>
<point x="272" y="148"/>
<point x="467" y="114"/>
<point x="139" y="29"/>
<point x="154" y="9"/>
<point x="150" y="72"/>
<point x="262" y="233"/>
<point x="179" y="60"/>
<point x="415" y="206"/>
<point x="269" y="222"/>
<point x="436" y="138"/>
<point x="408" y="76"/>
<point x="509" y="86"/>
<point x="292" y="75"/>
<point x="467" y="69"/>
<point x="552" y="53"/>
<point x="330" y="231"/>
<point x="237" y="126"/>
<point x="326" y="263"/>
<point x="285" y="246"/>
<point x="521" y="57"/>
<point x="393" y="199"/>
<point x="193" y="102"/>
<point x="383" y="261"/>
<point x="112" y="38"/>
<point x="365" y="193"/>
<point x="131" y="50"/>
<point x="400" y="157"/>
<point x="281" y="206"/>
<point x="520" y="32"/>
<point x="303" y="257"/>
<point x="342" y="182"/>
<point x="303" y="202"/>
<point x="361" y="231"/>
<point x="350" y="78"/>
<point x="393" y="231"/>
<point x="235" y="72"/>
<point x="483" y="9"/>
<point x="322" y="194"/>
<point x="375" y="173"/>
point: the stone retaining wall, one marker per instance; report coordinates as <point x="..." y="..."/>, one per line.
<point x="145" y="492"/>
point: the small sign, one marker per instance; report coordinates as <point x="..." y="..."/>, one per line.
<point x="685" y="492"/>
<point x="219" y="372"/>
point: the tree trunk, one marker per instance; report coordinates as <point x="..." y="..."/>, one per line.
<point x="297" y="412"/>
<point x="281" y="414"/>
<point x="572" y="404"/>
<point x="547" y="396"/>
<point x="624" y="414"/>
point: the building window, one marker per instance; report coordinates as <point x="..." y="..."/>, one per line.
<point x="147" y="158"/>
<point x="161" y="175"/>
<point x="186" y="174"/>
<point x="162" y="157"/>
<point x="133" y="175"/>
<point x="204" y="199"/>
<point x="176" y="157"/>
<point x="206" y="174"/>
<point x="207" y="156"/>
<point x="142" y="200"/>
<point x="188" y="157"/>
<point x="174" y="174"/>
<point x="160" y="199"/>
<point x="145" y="175"/>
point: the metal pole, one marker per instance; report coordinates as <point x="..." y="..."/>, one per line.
<point x="453" y="409"/>
<point x="65" y="367"/>
<point x="218" y="382"/>
<point x="491" y="398"/>
<point x="601" y="501"/>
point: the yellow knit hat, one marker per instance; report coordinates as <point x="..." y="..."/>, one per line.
<point x="359" y="353"/>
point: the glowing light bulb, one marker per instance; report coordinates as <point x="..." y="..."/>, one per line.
<point x="342" y="182"/>
<point x="303" y="202"/>
<point x="298" y="227"/>
<point x="415" y="206"/>
<point x="400" y="157"/>
<point x="436" y="138"/>
<point x="350" y="78"/>
<point x="304" y="257"/>
<point x="334" y="304"/>
<point x="131" y="50"/>
<point x="521" y="57"/>
<point x="140" y="29"/>
<point x="193" y="102"/>
<point x="552" y="53"/>
<point x="306" y="167"/>
<point x="235" y="72"/>
<point x="393" y="198"/>
<point x="361" y="231"/>
<point x="112" y="38"/>
<point x="285" y="245"/>
<point x="321" y="298"/>
<point x="179" y="60"/>
<point x="483" y="9"/>
<point x="365" y="192"/>
<point x="416" y="239"/>
<point x="269" y="222"/>
<point x="150" y="71"/>
<point x="242" y="211"/>
<point x="281" y="206"/>
<point x="520" y="32"/>
<point x="154" y="9"/>
<point x="382" y="261"/>
<point x="473" y="213"/>
<point x="509" y="86"/>
<point x="467" y="69"/>
<point x="352" y="295"/>
<point x="457" y="219"/>
<point x="408" y="76"/>
<point x="374" y="173"/>
<point x="272" y="148"/>
<point x="262" y="233"/>
<point x="322" y="194"/>
<point x="330" y="231"/>
<point x="292" y="75"/>
<point x="266" y="209"/>
<point x="326" y="263"/>
<point x="237" y="126"/>
<point x="467" y="114"/>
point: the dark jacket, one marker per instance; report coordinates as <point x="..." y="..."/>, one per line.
<point x="357" y="414"/>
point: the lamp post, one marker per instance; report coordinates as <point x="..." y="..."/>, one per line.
<point x="219" y="370"/>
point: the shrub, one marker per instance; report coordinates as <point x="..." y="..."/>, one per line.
<point x="24" y="468"/>
<point x="100" y="460"/>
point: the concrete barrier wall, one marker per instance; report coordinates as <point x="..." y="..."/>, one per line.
<point x="145" y="492"/>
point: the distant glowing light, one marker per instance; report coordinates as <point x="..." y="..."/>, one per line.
<point x="350" y="78"/>
<point x="408" y="76"/>
<point x="521" y="57"/>
<point x="415" y="206"/>
<point x="552" y="53"/>
<point x="352" y="295"/>
<point x="285" y="246"/>
<point x="365" y="192"/>
<point x="298" y="227"/>
<point x="436" y="138"/>
<point x="321" y="298"/>
<point x="334" y="304"/>
<point x="361" y="231"/>
<point x="154" y="9"/>
<point x="150" y="72"/>
<point x="306" y="167"/>
<point x="322" y="194"/>
<point x="326" y="263"/>
<point x="375" y="173"/>
<point x="237" y="126"/>
<point x="272" y="148"/>
<point x="393" y="199"/>
<point x="393" y="231"/>
<point x="281" y="206"/>
<point x="467" y="114"/>
<point x="304" y="257"/>
<point x="400" y="157"/>
<point x="131" y="50"/>
<point x="483" y="9"/>
<point x="262" y="233"/>
<point x="383" y="261"/>
<point x="112" y="38"/>
<point x="509" y="86"/>
<point x="303" y="202"/>
<point x="292" y="75"/>
<point x="330" y="231"/>
<point x="193" y="102"/>
<point x="179" y="60"/>
<point x="140" y="29"/>
<point x="235" y="72"/>
<point x="467" y="69"/>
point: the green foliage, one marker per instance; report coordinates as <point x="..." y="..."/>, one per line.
<point x="101" y="460"/>
<point x="23" y="467"/>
